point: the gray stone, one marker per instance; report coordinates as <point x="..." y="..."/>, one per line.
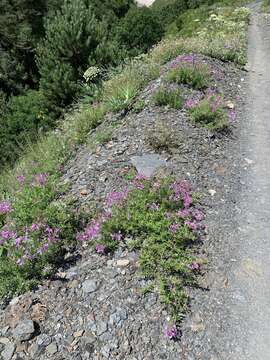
<point x="8" y="351"/>
<point x="118" y="317"/>
<point x="89" y="286"/>
<point x="148" y="164"/>
<point x="52" y="348"/>
<point x="101" y="328"/>
<point x="43" y="340"/>
<point x="24" y="330"/>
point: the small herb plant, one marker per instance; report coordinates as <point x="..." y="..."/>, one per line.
<point x="209" y="113"/>
<point x="171" y="98"/>
<point x="191" y="74"/>
<point x="159" y="219"/>
<point x="162" y="137"/>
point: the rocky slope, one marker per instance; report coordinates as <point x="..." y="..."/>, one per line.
<point x="95" y="307"/>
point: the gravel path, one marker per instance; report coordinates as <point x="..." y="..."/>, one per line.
<point x="233" y="318"/>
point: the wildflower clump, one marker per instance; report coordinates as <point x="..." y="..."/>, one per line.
<point x="159" y="219"/>
<point x="187" y="70"/>
<point x="34" y="232"/>
<point x="209" y="112"/>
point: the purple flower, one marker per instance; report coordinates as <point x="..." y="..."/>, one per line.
<point x="173" y="228"/>
<point x="182" y="59"/>
<point x="191" y="225"/>
<point x="232" y="115"/>
<point x="91" y="231"/>
<point x="183" y="213"/>
<point x="5" y="207"/>
<point x="194" y="266"/>
<point x="52" y="234"/>
<point x="34" y="227"/>
<point x="189" y="104"/>
<point x="181" y="192"/>
<point x="197" y="214"/>
<point x="154" y="206"/>
<point x="18" y="241"/>
<point x="116" y="198"/>
<point x="170" y="332"/>
<point x="20" y="262"/>
<point x="20" y="179"/>
<point x="116" y="236"/>
<point x="41" y="179"/>
<point x="100" y="249"/>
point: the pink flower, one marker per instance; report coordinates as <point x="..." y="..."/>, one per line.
<point x="5" y="207"/>
<point x="154" y="207"/>
<point x="34" y="227"/>
<point x="116" y="198"/>
<point x="183" y="213"/>
<point x="194" y="266"/>
<point x="170" y="332"/>
<point x="100" y="249"/>
<point x="232" y="115"/>
<point x="189" y="104"/>
<point x="116" y="236"/>
<point x="197" y="214"/>
<point x="173" y="228"/>
<point x="191" y="225"/>
<point x="41" y="179"/>
<point x="181" y="192"/>
<point x="20" y="179"/>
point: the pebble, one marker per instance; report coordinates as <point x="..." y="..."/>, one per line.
<point x="89" y="286"/>
<point x="122" y="262"/>
<point x="52" y="348"/>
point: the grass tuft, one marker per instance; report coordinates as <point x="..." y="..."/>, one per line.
<point x="171" y="98"/>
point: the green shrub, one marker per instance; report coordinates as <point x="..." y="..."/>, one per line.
<point x="162" y="137"/>
<point x="36" y="232"/>
<point x="25" y="117"/>
<point x="210" y="113"/>
<point x="139" y="30"/>
<point x="171" y="98"/>
<point x="194" y="75"/>
<point x="147" y="218"/>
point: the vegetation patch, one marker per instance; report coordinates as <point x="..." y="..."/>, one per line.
<point x="185" y="70"/>
<point x="34" y="231"/>
<point x="171" y="98"/>
<point x="209" y="112"/>
<point x="158" y="218"/>
<point x="266" y="6"/>
<point x="163" y="137"/>
<point x="46" y="157"/>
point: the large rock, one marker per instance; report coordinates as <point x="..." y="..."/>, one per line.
<point x="24" y="330"/>
<point x="148" y="164"/>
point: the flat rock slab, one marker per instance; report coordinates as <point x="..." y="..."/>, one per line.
<point x="148" y="164"/>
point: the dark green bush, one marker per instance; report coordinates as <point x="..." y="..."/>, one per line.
<point x="139" y="30"/>
<point x="24" y="118"/>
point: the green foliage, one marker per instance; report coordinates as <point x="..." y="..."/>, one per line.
<point x="164" y="253"/>
<point x="138" y="106"/>
<point x="171" y="98"/>
<point x="162" y="137"/>
<point x="266" y="6"/>
<point x="25" y="116"/>
<point x="210" y="114"/>
<point x="35" y="253"/>
<point x="194" y="75"/>
<point x="139" y="30"/>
